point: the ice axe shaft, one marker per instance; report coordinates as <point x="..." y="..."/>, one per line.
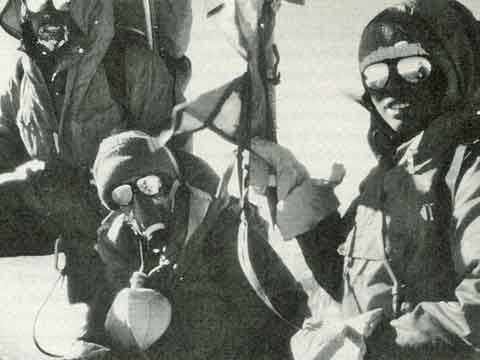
<point x="151" y="25"/>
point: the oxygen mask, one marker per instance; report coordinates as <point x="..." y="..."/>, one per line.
<point x="148" y="203"/>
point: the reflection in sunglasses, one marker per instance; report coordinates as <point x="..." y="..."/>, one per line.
<point x="413" y="70"/>
<point x="122" y="195"/>
<point x="149" y="185"/>
<point x="36" y="6"/>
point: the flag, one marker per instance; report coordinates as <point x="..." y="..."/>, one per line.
<point x="218" y="110"/>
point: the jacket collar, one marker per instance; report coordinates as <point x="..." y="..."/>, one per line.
<point x="446" y="132"/>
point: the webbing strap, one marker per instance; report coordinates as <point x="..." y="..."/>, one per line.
<point x="454" y="170"/>
<point x="245" y="134"/>
<point x="244" y="253"/>
<point x="249" y="271"/>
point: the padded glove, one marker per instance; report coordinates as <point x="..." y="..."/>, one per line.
<point x="335" y="338"/>
<point x="302" y="201"/>
<point x="64" y="194"/>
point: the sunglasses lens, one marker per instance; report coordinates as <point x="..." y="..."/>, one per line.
<point x="149" y="185"/>
<point x="376" y="75"/>
<point x="414" y="69"/>
<point x="122" y="195"/>
<point x="36" y="6"/>
<point x="62" y="5"/>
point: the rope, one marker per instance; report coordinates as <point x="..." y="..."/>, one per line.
<point x="37" y="316"/>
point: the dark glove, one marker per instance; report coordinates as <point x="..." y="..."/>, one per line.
<point x="64" y="197"/>
<point x="40" y="201"/>
<point x="64" y="193"/>
<point x="24" y="230"/>
<point x="388" y="342"/>
<point x="381" y="343"/>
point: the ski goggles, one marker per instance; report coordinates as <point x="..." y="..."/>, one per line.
<point x="150" y="185"/>
<point x="36" y="6"/>
<point x="413" y="70"/>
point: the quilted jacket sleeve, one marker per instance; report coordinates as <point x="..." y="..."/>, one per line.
<point x="12" y="152"/>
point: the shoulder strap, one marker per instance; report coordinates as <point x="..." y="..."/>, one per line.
<point x="453" y="173"/>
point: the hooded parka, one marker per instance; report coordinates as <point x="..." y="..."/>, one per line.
<point x="216" y="314"/>
<point x="411" y="243"/>
<point x="70" y="124"/>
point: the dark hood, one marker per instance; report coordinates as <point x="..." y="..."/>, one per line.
<point x="450" y="34"/>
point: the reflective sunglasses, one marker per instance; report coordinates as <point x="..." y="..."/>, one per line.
<point x="413" y="70"/>
<point x="149" y="185"/>
<point x="36" y="6"/>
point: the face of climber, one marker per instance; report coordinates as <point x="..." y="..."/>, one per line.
<point x="147" y="200"/>
<point x="50" y="21"/>
<point x="407" y="92"/>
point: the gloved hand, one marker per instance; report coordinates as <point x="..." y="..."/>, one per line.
<point x="14" y="184"/>
<point x="302" y="201"/>
<point x="381" y="344"/>
<point x="336" y="338"/>
<point x="63" y="193"/>
<point x="38" y="180"/>
<point x="24" y="231"/>
<point x="22" y="172"/>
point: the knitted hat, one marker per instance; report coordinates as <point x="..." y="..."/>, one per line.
<point x="446" y="30"/>
<point x="391" y="35"/>
<point x="128" y="155"/>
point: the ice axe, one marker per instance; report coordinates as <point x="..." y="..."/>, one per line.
<point x="245" y="107"/>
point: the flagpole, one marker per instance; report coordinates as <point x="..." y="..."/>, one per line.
<point x="151" y="25"/>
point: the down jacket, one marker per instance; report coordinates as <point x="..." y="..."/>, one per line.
<point x="410" y="242"/>
<point x="70" y="125"/>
